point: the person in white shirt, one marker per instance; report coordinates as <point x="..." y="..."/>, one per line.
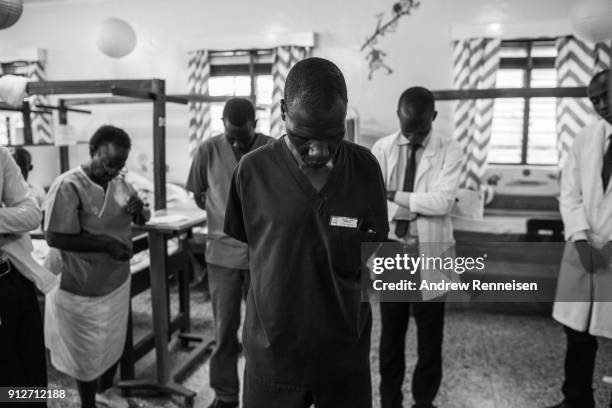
<point x="421" y="170"/>
<point x="584" y="294"/>
<point x="22" y="350"/>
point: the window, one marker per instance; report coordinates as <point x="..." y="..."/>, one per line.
<point x="11" y="128"/>
<point x="524" y="129"/>
<point x="246" y="74"/>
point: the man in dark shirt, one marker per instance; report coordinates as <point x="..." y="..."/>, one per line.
<point x="303" y="204"/>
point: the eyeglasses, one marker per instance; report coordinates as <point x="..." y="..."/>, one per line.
<point x="113" y="169"/>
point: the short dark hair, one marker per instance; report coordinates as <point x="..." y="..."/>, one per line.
<point x="22" y="157"/>
<point x="108" y="134"/>
<point x="605" y="72"/>
<point x="315" y="81"/>
<point x="418" y="98"/>
<point x="238" y="111"/>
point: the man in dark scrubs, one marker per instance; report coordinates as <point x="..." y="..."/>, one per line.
<point x="227" y="259"/>
<point x="303" y="204"/>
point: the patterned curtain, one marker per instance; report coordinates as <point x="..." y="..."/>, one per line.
<point x="199" y="112"/>
<point x="284" y="58"/>
<point x="475" y="64"/>
<point x="577" y="62"/>
<point x="42" y="125"/>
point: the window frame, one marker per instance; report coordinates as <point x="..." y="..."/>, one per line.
<point x="253" y="68"/>
<point x="527" y="64"/>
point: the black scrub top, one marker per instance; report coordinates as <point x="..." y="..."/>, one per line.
<point x="305" y="322"/>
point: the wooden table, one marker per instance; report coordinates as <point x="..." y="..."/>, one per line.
<point x="167" y="382"/>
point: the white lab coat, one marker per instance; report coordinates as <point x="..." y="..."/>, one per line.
<point x="435" y="189"/>
<point x="585" y="206"/>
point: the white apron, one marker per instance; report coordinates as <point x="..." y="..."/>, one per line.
<point x="86" y="335"/>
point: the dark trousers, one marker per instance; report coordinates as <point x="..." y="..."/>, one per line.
<point x="227" y="289"/>
<point x="579" y="368"/>
<point x="427" y="376"/>
<point x="22" y="348"/>
<point x="354" y="391"/>
<point x="88" y="389"/>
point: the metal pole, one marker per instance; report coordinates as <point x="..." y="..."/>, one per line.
<point x="159" y="142"/>
<point x="252" y="54"/>
<point x="63" y="150"/>
<point x="27" y="124"/>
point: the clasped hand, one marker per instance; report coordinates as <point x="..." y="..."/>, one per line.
<point x="134" y="205"/>
<point x="119" y="251"/>
<point x="592" y="258"/>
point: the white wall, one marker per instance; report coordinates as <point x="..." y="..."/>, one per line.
<point x="419" y="51"/>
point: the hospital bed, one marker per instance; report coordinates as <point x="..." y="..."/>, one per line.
<point x="523" y="239"/>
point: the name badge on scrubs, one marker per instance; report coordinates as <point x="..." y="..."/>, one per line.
<point x="345" y="222"/>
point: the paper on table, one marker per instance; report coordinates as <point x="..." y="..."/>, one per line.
<point x="469" y="204"/>
<point x="167" y="219"/>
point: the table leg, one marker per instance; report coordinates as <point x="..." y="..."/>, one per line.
<point x="159" y="282"/>
<point x="184" y="275"/>
<point x="165" y="382"/>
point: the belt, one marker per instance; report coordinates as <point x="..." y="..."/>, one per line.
<point x="5" y="266"/>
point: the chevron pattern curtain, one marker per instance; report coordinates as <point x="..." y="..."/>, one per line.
<point x="475" y="64"/>
<point x="199" y="112"/>
<point x="42" y="125"/>
<point x="284" y="58"/>
<point x="577" y="61"/>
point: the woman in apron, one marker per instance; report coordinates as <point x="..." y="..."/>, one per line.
<point x="87" y="225"/>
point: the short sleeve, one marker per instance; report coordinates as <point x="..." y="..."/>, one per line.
<point x="62" y="209"/>
<point x="234" y="216"/>
<point x="197" y="180"/>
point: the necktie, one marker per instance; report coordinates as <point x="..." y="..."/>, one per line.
<point x="401" y="226"/>
<point x="606" y="171"/>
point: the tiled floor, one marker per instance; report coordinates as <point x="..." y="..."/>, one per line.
<point x="491" y="360"/>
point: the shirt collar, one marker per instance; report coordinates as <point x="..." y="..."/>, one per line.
<point x="401" y="140"/>
<point x="298" y="158"/>
<point x="293" y="151"/>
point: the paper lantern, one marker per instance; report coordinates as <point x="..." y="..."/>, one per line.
<point x="10" y="11"/>
<point x="591" y="20"/>
<point x="116" y="38"/>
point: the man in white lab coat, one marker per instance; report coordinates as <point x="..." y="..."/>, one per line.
<point x="421" y="170"/>
<point x="584" y="294"/>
